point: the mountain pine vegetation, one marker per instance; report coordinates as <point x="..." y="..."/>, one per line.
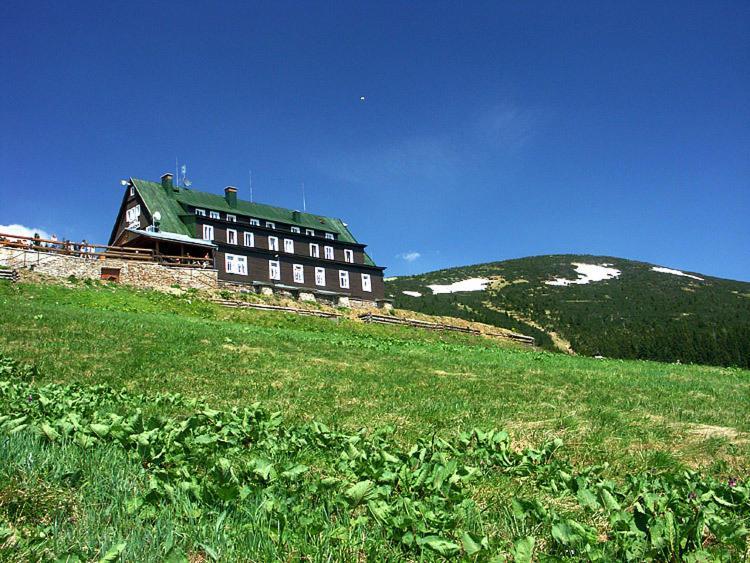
<point x="642" y="314"/>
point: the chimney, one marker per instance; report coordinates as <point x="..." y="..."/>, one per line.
<point x="295" y="215"/>
<point x="230" y="194"/>
<point x="166" y="181"/>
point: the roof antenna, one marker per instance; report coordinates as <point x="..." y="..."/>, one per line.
<point x="304" y="203"/>
<point x="250" y="175"/>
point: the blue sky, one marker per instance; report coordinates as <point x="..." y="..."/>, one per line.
<point x="488" y="131"/>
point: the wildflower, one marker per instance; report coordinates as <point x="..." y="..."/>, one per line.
<point x="692" y="495"/>
<point x="732" y="482"/>
<point x="29" y="398"/>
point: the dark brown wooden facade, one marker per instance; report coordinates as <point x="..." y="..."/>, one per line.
<point x="250" y="239"/>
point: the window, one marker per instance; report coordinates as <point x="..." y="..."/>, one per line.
<point x="299" y="273"/>
<point x="314" y="250"/>
<point x="320" y="276"/>
<point x="329" y="236"/>
<point x="208" y="232"/>
<point x="214" y="215"/>
<point x="234" y="264"/>
<point x="348" y="255"/>
<point x="132" y="214"/>
<point x="249" y="239"/>
<point x="295" y="229"/>
<point x="310" y="232"/>
<point x="344" y="279"/>
<point x="366" y="283"/>
<point x="273" y="243"/>
<point x="270" y="225"/>
<point x="132" y="191"/>
<point x="201" y="212"/>
<point x="274" y="270"/>
<point x="255" y="222"/>
<point x="328" y="250"/>
<point x="232" y="218"/>
<point x="289" y="245"/>
<point x="231" y="236"/>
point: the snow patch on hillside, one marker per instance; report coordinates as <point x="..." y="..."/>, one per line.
<point x="588" y="273"/>
<point x="472" y="284"/>
<point x="412" y="293"/>
<point x="674" y="272"/>
<point x="391" y="278"/>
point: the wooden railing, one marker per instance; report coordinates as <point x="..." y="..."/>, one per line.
<point x="100" y="251"/>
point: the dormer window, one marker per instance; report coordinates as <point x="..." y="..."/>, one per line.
<point x="232" y="218"/>
<point x="329" y="236"/>
<point x="295" y="229"/>
<point x="200" y="212"/>
<point x="255" y="222"/>
<point x="270" y="225"/>
<point x="214" y="215"/>
<point x="310" y="232"/>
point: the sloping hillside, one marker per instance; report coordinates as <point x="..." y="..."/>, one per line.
<point x="594" y="305"/>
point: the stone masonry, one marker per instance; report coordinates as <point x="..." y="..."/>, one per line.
<point x="130" y="272"/>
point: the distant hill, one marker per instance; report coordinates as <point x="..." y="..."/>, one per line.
<point x="594" y="305"/>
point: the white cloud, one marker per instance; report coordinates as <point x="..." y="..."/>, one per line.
<point x="409" y="256"/>
<point x="22" y="231"/>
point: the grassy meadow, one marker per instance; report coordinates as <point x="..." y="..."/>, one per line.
<point x="635" y="416"/>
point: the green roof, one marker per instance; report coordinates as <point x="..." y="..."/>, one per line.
<point x="173" y="205"/>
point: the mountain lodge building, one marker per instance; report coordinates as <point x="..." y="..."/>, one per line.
<point x="249" y="244"/>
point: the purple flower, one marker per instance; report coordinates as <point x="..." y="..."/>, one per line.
<point x="692" y="495"/>
<point x="732" y="482"/>
<point x="29" y="398"/>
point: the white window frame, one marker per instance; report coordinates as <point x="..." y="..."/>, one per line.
<point x="200" y="212"/>
<point x="133" y="214"/>
<point x="366" y="283"/>
<point x="214" y="215"/>
<point x="349" y="255"/>
<point x="330" y="236"/>
<point x="328" y="252"/>
<point x="314" y="250"/>
<point x="255" y="222"/>
<point x="231" y="236"/>
<point x="270" y="225"/>
<point x="274" y="265"/>
<point x="344" y="279"/>
<point x="296" y="230"/>
<point x="235" y="264"/>
<point x="289" y="245"/>
<point x="310" y="232"/>
<point x="298" y="273"/>
<point x="208" y="232"/>
<point x="248" y="239"/>
<point x="132" y="191"/>
<point x="320" y="276"/>
<point x="273" y="243"/>
<point x="232" y="218"/>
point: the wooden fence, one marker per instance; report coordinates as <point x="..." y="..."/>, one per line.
<point x="263" y="307"/>
<point x="373" y="318"/>
<point x="384" y="319"/>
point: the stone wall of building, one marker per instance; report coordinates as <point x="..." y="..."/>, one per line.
<point x="130" y="272"/>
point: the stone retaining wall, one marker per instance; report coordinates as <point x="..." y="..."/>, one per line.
<point x="131" y="272"/>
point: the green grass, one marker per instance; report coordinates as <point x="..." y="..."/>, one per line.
<point x="635" y="415"/>
<point x="354" y="375"/>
